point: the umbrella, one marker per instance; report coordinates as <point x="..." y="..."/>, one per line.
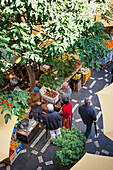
<point x="5" y="133"/>
<point x="106" y="101"/>
<point x="95" y="128"/>
<point x="94" y="162"/>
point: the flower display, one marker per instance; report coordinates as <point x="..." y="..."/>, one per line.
<point x="109" y="44"/>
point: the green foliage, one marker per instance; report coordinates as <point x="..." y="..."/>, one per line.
<point x="72" y="146"/>
<point x="69" y="24"/>
<point x="91" y="46"/>
<point x="7" y="116"/>
<point x="49" y="79"/>
<point x="16" y="103"/>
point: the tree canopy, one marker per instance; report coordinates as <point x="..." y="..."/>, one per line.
<point x="68" y="24"/>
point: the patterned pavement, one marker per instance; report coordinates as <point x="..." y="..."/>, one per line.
<point x="39" y="153"/>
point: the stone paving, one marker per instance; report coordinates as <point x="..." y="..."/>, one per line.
<point x="39" y="153"/>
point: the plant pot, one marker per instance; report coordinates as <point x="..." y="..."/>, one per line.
<point x="58" y="166"/>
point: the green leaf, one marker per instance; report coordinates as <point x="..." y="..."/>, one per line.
<point x="7" y="117"/>
<point x="3" y="109"/>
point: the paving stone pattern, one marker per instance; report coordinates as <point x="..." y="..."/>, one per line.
<point x="39" y="153"/>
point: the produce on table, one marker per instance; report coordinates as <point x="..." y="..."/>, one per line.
<point x="77" y="76"/>
<point x="50" y="93"/>
<point x="13" y="145"/>
<point x="84" y="70"/>
<point x="49" y="79"/>
<point x="10" y="152"/>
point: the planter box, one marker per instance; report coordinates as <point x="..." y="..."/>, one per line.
<point x="47" y="98"/>
<point x="58" y="166"/>
<point x="85" y="77"/>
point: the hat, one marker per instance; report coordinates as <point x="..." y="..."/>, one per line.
<point x="50" y="107"/>
<point x="36" y="90"/>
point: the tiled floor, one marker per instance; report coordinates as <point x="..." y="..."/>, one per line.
<point x="39" y="153"/>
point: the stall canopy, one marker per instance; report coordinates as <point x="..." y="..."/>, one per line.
<point x="106" y="101"/>
<point x="94" y="162"/>
<point x="5" y="134"/>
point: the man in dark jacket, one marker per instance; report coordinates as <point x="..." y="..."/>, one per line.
<point x="88" y="115"/>
<point x="52" y="121"/>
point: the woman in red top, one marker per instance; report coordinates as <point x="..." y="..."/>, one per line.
<point x="67" y="114"/>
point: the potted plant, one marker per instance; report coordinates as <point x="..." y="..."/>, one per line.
<point x="71" y="146"/>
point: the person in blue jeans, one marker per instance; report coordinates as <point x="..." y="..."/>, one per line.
<point x="88" y="115"/>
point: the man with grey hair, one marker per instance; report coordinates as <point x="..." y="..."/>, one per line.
<point x="88" y="115"/>
<point x="52" y="121"/>
<point x="65" y="92"/>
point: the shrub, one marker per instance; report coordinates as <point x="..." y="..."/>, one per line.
<point x="72" y="146"/>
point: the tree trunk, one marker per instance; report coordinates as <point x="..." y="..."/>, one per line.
<point x="31" y="75"/>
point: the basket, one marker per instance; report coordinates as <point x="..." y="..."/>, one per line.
<point x="47" y="98"/>
<point x="85" y="77"/>
<point x="76" y="80"/>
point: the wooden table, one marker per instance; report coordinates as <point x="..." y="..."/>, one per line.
<point x="27" y="136"/>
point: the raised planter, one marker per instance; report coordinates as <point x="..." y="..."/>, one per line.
<point x="59" y="167"/>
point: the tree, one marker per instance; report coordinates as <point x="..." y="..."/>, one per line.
<point x="69" y="24"/>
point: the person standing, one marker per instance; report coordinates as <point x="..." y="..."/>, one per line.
<point x="35" y="102"/>
<point x="65" y="91"/>
<point x="88" y="115"/>
<point x="52" y="121"/>
<point x="67" y="114"/>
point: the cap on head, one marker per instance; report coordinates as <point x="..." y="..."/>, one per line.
<point x="87" y="100"/>
<point x="36" y="90"/>
<point x="65" y="85"/>
<point x="50" y="107"/>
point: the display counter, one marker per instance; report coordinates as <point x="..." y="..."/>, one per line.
<point x="27" y="136"/>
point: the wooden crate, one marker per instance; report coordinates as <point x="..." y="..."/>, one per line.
<point x="76" y="85"/>
<point x="16" y="146"/>
<point x="85" y="77"/>
<point x="12" y="158"/>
